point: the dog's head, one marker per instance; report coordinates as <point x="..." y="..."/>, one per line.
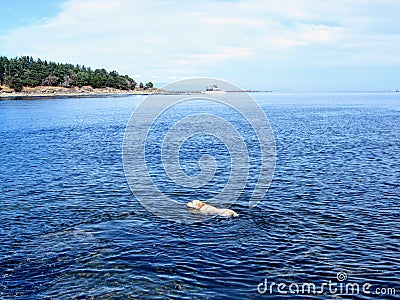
<point x="195" y="204"/>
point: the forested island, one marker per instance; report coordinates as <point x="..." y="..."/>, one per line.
<point x="27" y="74"/>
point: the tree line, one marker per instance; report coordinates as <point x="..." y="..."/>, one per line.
<point x="26" y="71"/>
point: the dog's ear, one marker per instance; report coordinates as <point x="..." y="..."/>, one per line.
<point x="198" y="204"/>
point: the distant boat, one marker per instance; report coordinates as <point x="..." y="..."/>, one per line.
<point x="213" y="89"/>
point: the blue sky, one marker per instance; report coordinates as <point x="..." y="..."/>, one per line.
<point x="256" y="44"/>
<point x="19" y="13"/>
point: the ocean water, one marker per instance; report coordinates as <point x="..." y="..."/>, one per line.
<point x="71" y="228"/>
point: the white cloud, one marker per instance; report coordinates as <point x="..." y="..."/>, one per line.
<point x="204" y="19"/>
<point x="319" y="33"/>
<point x="173" y="39"/>
<point x="223" y="54"/>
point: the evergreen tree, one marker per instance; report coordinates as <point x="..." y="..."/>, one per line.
<point x="16" y="84"/>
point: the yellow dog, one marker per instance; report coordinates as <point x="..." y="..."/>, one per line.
<point x="208" y="209"/>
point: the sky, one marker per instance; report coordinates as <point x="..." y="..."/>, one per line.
<point x="289" y="45"/>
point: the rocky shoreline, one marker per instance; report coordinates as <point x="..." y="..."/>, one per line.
<point x="85" y="91"/>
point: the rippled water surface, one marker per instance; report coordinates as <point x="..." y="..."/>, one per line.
<point x="71" y="228"/>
